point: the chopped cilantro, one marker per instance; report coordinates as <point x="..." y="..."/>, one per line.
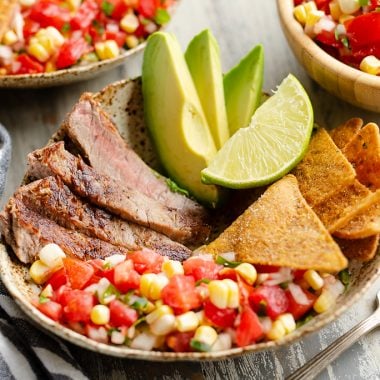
<point x="175" y="188"/>
<point x="363" y="3"/>
<point x="98" y="27"/>
<point x="305" y="320"/>
<point x="344" y="277"/>
<point x="111" y="330"/>
<point x="162" y="16"/>
<point x="229" y="264"/>
<point x="202" y="281"/>
<point x="43" y="299"/>
<point x="107" y="7"/>
<point x="65" y="27"/>
<point x="107" y="265"/>
<point x="336" y="34"/>
<point x="200" y="346"/>
<point x="88" y="38"/>
<point x="139" y="303"/>
<point x="345" y="42"/>
<point x="284" y="285"/>
<point x="262" y="312"/>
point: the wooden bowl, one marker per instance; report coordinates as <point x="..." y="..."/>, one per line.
<point x="123" y="102"/>
<point x="350" y="84"/>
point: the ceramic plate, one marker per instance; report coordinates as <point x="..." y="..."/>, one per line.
<point x="123" y="102"/>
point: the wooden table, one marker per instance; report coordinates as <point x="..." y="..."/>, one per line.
<point x="32" y="116"/>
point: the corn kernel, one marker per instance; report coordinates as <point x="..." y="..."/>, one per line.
<point x="219" y="292"/>
<point x="172" y="267"/>
<point x="38" y="52"/>
<point x="248" y="272"/>
<point x="233" y="293"/>
<point x="159" y="312"/>
<point x="288" y="322"/>
<point x="3" y="71"/>
<point x="310" y="6"/>
<point x="343" y="18"/>
<point x="129" y="23"/>
<point x="324" y="302"/>
<point x="131" y="41"/>
<point x="313" y="17"/>
<point x="156" y="287"/>
<point x="370" y="65"/>
<point x="47" y="291"/>
<point x="335" y="10"/>
<point x="187" y="321"/>
<point x="100" y="314"/>
<point x="349" y="6"/>
<point x="111" y="49"/>
<point x="313" y="279"/>
<point x="50" y="67"/>
<point x="56" y="37"/>
<point x="73" y="4"/>
<point x="9" y="38"/>
<point x="39" y="272"/>
<point x="277" y="331"/>
<point x="299" y="13"/>
<point x="51" y="255"/>
<point x="163" y="325"/>
<point x="206" y="334"/>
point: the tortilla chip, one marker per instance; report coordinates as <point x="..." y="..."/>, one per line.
<point x="345" y="132"/>
<point x="365" y="224"/>
<point x="339" y="208"/>
<point x="324" y="169"/>
<point x="360" y="249"/>
<point x="363" y="151"/>
<point x="281" y="229"/>
<point x="7" y="10"/>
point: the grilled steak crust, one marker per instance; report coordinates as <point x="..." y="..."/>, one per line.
<point x="91" y="129"/>
<point x="111" y="194"/>
<point x="54" y="200"/>
<point x="26" y="231"/>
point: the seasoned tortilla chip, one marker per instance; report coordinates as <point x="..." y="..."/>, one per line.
<point x="365" y="224"/>
<point x="281" y="229"/>
<point x="360" y="249"/>
<point x="7" y="9"/>
<point x="345" y="132"/>
<point x="363" y="151"/>
<point x="339" y="208"/>
<point x="323" y="170"/>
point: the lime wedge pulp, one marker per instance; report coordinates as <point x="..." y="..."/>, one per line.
<point x="273" y="143"/>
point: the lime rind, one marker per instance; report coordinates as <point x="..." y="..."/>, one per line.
<point x="273" y="144"/>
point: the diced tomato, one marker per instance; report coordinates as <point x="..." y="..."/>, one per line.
<point x="148" y="8"/>
<point x="181" y="294"/>
<point x="146" y="261"/>
<point x="297" y="309"/>
<point x="97" y="265"/>
<point x="373" y="4"/>
<point x="71" y="51"/>
<point x="323" y="5"/>
<point x="298" y="274"/>
<point x="121" y="314"/>
<point x="270" y="300"/>
<point x="260" y="268"/>
<point x="57" y="279"/>
<point x="119" y="37"/>
<point x="125" y="277"/>
<point x="298" y="2"/>
<point x="201" y="268"/>
<point x="328" y="38"/>
<point x="220" y="317"/>
<point x="249" y="329"/>
<point x="28" y="65"/>
<point x="117" y="9"/>
<point x="30" y="27"/>
<point x="77" y="305"/>
<point x="364" y="30"/>
<point x="85" y="15"/>
<point x="78" y="272"/>
<point x="49" y="13"/>
<point x="227" y="273"/>
<point x="51" y="309"/>
<point x="180" y="341"/>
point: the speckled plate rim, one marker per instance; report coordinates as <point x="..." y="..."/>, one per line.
<point x="285" y="11"/>
<point x="12" y="270"/>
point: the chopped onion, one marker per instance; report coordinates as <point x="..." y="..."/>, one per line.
<point x="229" y="256"/>
<point x="97" y="333"/>
<point x="341" y="30"/>
<point x="336" y="288"/>
<point x="145" y="341"/>
<point x="266" y="324"/>
<point x="112" y="27"/>
<point x="283" y="275"/>
<point x="298" y="294"/>
<point x="150" y="27"/>
<point x="325" y="23"/>
<point x="5" y="55"/>
<point x="18" y="25"/>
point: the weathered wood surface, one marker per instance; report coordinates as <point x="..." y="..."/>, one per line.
<point x="32" y="116"/>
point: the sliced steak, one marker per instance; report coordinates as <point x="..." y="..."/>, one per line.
<point x="26" y="231"/>
<point x="54" y="200"/>
<point x="91" y="129"/>
<point x="111" y="194"/>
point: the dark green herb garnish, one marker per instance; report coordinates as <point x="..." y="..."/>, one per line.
<point x="229" y="264"/>
<point x="175" y="188"/>
<point x="344" y="277"/>
<point x="199" y="346"/>
<point x="107" y="8"/>
<point x="65" y="27"/>
<point x="43" y="299"/>
<point x="202" y="281"/>
<point x="304" y="320"/>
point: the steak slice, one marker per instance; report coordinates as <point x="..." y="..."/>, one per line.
<point x="26" y="231"/>
<point x="100" y="142"/>
<point x="111" y="194"/>
<point x="54" y="200"/>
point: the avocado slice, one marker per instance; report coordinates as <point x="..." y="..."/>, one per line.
<point x="203" y="59"/>
<point x="242" y="89"/>
<point x="175" y="118"/>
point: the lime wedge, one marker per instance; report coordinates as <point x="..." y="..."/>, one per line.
<point x="273" y="143"/>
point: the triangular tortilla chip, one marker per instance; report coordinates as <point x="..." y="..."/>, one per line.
<point x="7" y="12"/>
<point x="363" y="151"/>
<point x="345" y="132"/>
<point x="360" y="249"/>
<point x="323" y="170"/>
<point x="365" y="224"/>
<point x="339" y="208"/>
<point x="281" y="229"/>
